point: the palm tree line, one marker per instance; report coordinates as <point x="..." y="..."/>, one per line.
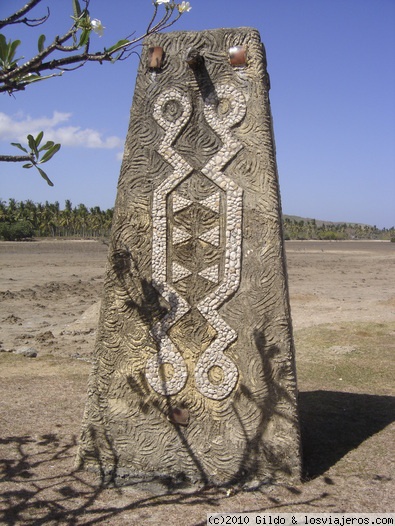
<point x="48" y="220"/>
<point x="26" y="219"/>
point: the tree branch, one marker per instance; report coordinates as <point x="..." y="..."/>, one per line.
<point x="12" y="80"/>
<point x="17" y="78"/>
<point x="14" y="19"/>
<point x="16" y="158"/>
<point x="31" y="65"/>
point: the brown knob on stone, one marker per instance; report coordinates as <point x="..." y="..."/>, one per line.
<point x="238" y="56"/>
<point x="155" y="57"/>
<point x="178" y="416"/>
<point x="193" y="58"/>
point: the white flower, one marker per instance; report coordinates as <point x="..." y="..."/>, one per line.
<point x="97" y="27"/>
<point x="184" y="7"/>
<point x="158" y="2"/>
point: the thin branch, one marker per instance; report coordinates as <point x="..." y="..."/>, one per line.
<point x="66" y="49"/>
<point x="28" y="7"/>
<point x="132" y="52"/>
<point x="153" y="17"/>
<point x="162" y="24"/>
<point x="169" y="24"/>
<point x="20" y="85"/>
<point x="15" y="18"/>
<point x="34" y="22"/>
<point x="74" y="68"/>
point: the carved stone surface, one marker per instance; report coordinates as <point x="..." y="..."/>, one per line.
<point x="194" y="372"/>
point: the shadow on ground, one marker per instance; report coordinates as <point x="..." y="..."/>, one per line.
<point x="39" y="486"/>
<point x="334" y="423"/>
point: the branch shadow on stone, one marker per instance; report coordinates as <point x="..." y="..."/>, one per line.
<point x="255" y="447"/>
<point x="134" y="285"/>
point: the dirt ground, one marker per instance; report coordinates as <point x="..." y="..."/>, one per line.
<point x="343" y="308"/>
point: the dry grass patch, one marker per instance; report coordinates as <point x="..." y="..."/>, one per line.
<point x="357" y="355"/>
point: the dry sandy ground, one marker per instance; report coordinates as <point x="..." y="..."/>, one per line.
<point x="343" y="306"/>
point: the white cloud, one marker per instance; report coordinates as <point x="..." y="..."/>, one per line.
<point x="19" y="126"/>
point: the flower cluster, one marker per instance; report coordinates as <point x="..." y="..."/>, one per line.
<point x="184" y="7"/>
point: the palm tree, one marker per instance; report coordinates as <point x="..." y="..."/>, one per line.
<point x="82" y="218"/>
<point x="3" y="211"/>
<point x="12" y="210"/>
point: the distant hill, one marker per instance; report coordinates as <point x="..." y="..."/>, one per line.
<point x="297" y="227"/>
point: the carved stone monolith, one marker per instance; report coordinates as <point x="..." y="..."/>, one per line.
<point x="194" y="374"/>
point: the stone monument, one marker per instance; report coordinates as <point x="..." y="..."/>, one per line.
<point x="194" y="374"/>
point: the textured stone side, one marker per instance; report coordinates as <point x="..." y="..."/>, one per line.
<point x="194" y="374"/>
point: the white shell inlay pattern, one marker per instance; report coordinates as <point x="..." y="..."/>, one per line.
<point x="179" y="202"/>
<point x="209" y="305"/>
<point x="212" y="202"/>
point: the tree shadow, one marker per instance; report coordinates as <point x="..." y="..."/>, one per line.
<point x="33" y="492"/>
<point x="334" y="423"/>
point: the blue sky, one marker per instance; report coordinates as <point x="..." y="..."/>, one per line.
<point x="332" y="69"/>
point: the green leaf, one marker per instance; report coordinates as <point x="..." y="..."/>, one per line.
<point x="12" y="49"/>
<point x="32" y="144"/>
<point x="3" y="47"/>
<point x="28" y="79"/>
<point x="7" y="53"/>
<point x="117" y="45"/>
<point x="46" y="146"/>
<point x="19" y="146"/>
<point x="27" y="165"/>
<point x="76" y="8"/>
<point x="40" y="44"/>
<point x="84" y="37"/>
<point x="50" y="153"/>
<point x="44" y="176"/>
<point x="39" y="139"/>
